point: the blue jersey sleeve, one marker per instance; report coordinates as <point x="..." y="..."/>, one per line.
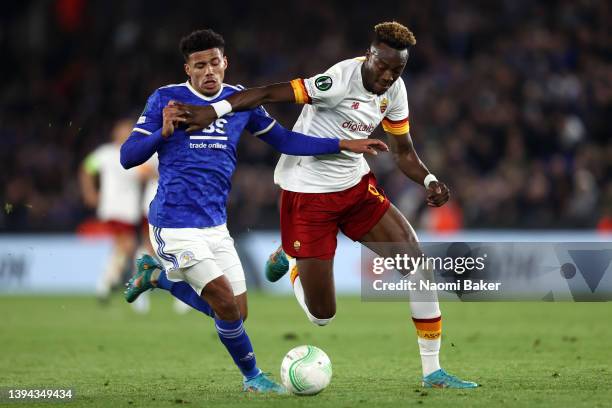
<point x="259" y="121"/>
<point x="151" y="118"/>
<point x="146" y="136"/>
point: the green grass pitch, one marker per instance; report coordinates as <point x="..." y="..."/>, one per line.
<point x="524" y="354"/>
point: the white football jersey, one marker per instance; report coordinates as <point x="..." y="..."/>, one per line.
<point x="338" y="105"/>
<point x="120" y="189"/>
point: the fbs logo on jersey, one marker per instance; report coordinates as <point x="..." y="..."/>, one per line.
<point x="323" y="83"/>
<point x="383" y="105"/>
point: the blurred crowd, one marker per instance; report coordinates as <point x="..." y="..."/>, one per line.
<point x="509" y="100"/>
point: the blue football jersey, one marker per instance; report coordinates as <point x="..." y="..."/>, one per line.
<point x="195" y="169"/>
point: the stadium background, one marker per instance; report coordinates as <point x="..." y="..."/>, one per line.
<point x="509" y="100"/>
<point x="510" y="103"/>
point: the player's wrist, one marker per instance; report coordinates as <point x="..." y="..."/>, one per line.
<point x="222" y="108"/>
<point x="429" y="179"/>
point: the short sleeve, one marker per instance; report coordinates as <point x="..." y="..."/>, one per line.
<point x="324" y="90"/>
<point x="93" y="161"/>
<point x="396" y="119"/>
<point x="260" y="121"/>
<point x="150" y="119"/>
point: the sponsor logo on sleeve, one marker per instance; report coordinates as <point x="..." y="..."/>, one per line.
<point x="323" y="83"/>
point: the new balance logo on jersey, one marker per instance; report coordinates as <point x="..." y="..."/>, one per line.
<point x="358" y="127"/>
<point x="355" y="105"/>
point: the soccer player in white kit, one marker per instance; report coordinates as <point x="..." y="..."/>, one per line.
<point x="324" y="194"/>
<point x="117" y="202"/>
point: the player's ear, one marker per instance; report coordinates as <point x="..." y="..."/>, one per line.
<point x="187" y="70"/>
<point x="225" y="62"/>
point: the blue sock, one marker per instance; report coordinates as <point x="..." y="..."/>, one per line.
<point x="237" y="342"/>
<point x="183" y="291"/>
<point x="163" y="282"/>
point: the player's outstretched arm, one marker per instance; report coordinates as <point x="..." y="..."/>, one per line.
<point x="410" y="164"/>
<point x="298" y="144"/>
<point x="199" y="117"/>
<point x="253" y="97"/>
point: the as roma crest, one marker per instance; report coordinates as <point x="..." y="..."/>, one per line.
<point x="383" y="105"/>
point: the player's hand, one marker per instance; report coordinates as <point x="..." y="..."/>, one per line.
<point x="437" y="194"/>
<point x="197" y="117"/>
<point x="370" y="146"/>
<point x="172" y="117"/>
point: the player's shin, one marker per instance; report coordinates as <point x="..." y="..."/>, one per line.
<point x="298" y="290"/>
<point x="429" y="337"/>
<point x="184" y="292"/>
<point x="428" y="323"/>
<point x="235" y="339"/>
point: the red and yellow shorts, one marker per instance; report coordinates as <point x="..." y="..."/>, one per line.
<point x="310" y="221"/>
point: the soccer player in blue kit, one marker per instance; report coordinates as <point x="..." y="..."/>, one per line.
<point x="187" y="217"/>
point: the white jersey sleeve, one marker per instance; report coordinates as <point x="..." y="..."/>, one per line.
<point x="94" y="160"/>
<point x="396" y="117"/>
<point x="324" y="90"/>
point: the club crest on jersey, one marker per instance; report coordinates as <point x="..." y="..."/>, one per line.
<point x="186" y="257"/>
<point x="383" y="105"/>
<point x="323" y="83"/>
<point x="297" y="245"/>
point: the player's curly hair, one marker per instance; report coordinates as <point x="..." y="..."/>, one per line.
<point x="394" y="35"/>
<point x="200" y="40"/>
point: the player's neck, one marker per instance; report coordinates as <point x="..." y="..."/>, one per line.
<point x="206" y="94"/>
<point x="363" y="80"/>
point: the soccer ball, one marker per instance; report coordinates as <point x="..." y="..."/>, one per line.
<point x="306" y="370"/>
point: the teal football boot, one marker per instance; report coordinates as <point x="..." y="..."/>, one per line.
<point x="262" y="383"/>
<point x="442" y="379"/>
<point x="141" y="281"/>
<point x="277" y="265"/>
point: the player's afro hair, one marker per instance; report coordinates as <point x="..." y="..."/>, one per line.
<point x="394" y="35"/>
<point x="200" y="40"/>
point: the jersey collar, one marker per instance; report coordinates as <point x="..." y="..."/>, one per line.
<point x="199" y="95"/>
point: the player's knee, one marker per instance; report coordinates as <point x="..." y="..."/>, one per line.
<point x="226" y="309"/>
